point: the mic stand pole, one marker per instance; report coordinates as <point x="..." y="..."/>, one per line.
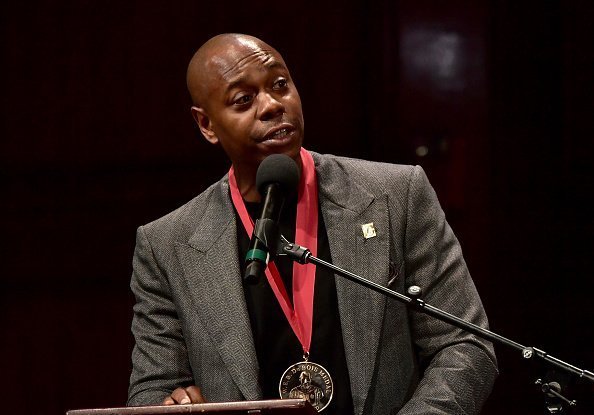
<point x="303" y="255"/>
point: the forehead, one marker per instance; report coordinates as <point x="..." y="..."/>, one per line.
<point x="232" y="62"/>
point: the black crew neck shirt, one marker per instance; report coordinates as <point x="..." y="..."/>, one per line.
<point x="277" y="347"/>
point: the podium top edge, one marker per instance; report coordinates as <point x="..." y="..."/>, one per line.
<point x="271" y="406"/>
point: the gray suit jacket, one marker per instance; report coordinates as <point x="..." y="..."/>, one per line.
<point x="191" y="324"/>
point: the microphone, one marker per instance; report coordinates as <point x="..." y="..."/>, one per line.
<point x="277" y="177"/>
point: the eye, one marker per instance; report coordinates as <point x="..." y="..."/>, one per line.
<point x="280" y="83"/>
<point x="242" y="99"/>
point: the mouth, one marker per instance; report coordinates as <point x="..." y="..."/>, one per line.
<point x="279" y="134"/>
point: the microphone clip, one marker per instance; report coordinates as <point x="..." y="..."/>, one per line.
<point x="296" y="252"/>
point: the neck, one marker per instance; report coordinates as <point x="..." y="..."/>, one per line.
<point x="246" y="181"/>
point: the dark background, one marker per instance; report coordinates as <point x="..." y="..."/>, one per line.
<point x="493" y="98"/>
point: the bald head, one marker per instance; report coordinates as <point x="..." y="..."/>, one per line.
<point x="217" y="57"/>
<point x="245" y="101"/>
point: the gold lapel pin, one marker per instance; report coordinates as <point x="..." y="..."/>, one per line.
<point x="368" y="230"/>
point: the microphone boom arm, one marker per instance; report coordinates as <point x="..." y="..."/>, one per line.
<point x="303" y="255"/>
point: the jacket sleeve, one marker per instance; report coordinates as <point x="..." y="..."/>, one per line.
<point x="458" y="368"/>
<point x="159" y="358"/>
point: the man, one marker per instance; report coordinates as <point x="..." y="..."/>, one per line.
<point x="202" y="333"/>
<point x="306" y="390"/>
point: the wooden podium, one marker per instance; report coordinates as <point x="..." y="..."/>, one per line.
<point x="266" y="407"/>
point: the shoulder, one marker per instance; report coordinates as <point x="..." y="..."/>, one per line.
<point x="375" y="177"/>
<point x="181" y="223"/>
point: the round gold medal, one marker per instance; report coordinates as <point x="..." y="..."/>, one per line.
<point x="309" y="381"/>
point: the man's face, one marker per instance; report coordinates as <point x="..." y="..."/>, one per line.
<point x="252" y="107"/>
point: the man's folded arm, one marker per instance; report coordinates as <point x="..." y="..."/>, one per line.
<point x="458" y="368"/>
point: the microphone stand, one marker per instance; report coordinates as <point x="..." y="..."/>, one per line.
<point x="303" y="255"/>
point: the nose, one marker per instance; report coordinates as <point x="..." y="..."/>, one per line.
<point x="269" y="107"/>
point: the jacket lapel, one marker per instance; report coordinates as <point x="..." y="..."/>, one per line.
<point x="211" y="268"/>
<point x="347" y="206"/>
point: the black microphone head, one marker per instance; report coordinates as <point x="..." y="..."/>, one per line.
<point x="278" y="168"/>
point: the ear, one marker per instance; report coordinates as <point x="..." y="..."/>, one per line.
<point x="203" y="121"/>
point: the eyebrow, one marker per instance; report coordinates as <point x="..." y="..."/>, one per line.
<point x="273" y="64"/>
